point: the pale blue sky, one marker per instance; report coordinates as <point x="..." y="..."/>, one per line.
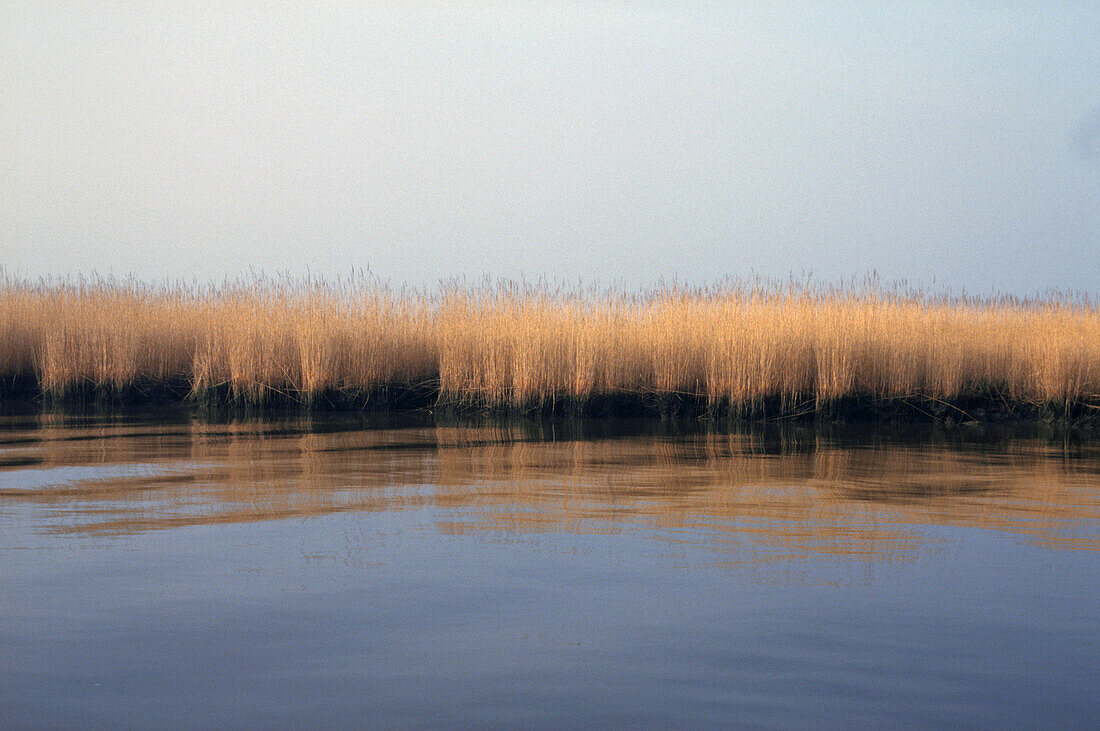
<point x="604" y="141"/>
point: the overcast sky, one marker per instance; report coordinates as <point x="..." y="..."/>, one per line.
<point x="602" y="141"/>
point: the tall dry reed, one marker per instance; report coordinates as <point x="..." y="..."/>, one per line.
<point x="521" y="345"/>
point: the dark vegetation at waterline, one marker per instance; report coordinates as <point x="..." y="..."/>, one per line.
<point x="972" y="411"/>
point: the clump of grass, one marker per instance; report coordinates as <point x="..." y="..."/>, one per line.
<point x="521" y="346"/>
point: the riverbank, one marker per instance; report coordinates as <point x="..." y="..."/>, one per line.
<point x="24" y="392"/>
<point x="760" y="352"/>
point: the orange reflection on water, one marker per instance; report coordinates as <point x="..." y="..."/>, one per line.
<point x="787" y="492"/>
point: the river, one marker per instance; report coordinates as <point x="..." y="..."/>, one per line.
<point x="175" y="569"/>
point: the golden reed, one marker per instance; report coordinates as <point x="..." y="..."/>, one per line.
<point x="522" y="345"/>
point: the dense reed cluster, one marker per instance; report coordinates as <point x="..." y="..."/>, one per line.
<point x="522" y="346"/>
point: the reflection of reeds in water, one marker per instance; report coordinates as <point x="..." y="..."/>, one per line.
<point x="523" y="346"/>
<point x="792" y="494"/>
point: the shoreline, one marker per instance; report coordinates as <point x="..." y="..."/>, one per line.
<point x="810" y="353"/>
<point x="991" y="407"/>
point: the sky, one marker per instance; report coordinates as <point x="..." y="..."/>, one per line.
<point x="952" y="145"/>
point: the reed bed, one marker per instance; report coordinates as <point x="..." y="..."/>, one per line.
<point x="527" y="346"/>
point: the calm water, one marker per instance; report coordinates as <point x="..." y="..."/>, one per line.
<point x="183" y="572"/>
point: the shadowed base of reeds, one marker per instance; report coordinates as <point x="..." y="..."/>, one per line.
<point x="988" y="407"/>
<point x="966" y="412"/>
<point x="24" y="390"/>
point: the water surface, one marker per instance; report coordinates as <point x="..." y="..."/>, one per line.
<point x="177" y="571"/>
